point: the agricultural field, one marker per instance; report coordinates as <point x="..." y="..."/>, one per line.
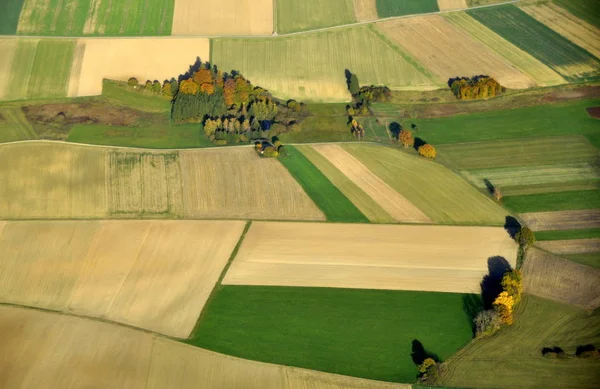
<point x="507" y="360"/>
<point x="327" y="197"/>
<point x="422" y="258"/>
<point x="549" y="276"/>
<point x="127" y="358"/>
<point x="451" y="5"/>
<point x="539" y="73"/>
<point x="365" y="203"/>
<point x="277" y="64"/>
<point x="229" y="17"/>
<point x="343" y="331"/>
<point x="569" y="60"/>
<point x="429" y="186"/>
<point x="435" y="43"/>
<point x="583" y="9"/>
<point x="96" y="17"/>
<point x="560" y="201"/>
<point x="571" y="246"/>
<point x="14" y="126"/>
<point x="365" y="10"/>
<point x="568" y="234"/>
<point x="389" y="8"/>
<point x="562" y="220"/>
<point x="94" y="268"/>
<point x="294" y="16"/>
<point x="9" y="16"/>
<point x="214" y="187"/>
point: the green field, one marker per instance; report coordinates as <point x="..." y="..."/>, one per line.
<point x="435" y="190"/>
<point x="118" y="93"/>
<point x="14" y="126"/>
<point x="293" y="15"/>
<point x="102" y="17"/>
<point x="561" y="201"/>
<point x="9" y="16"/>
<point x="363" y="333"/>
<point x="512" y="359"/>
<point x="589" y="259"/>
<point x="551" y="48"/>
<point x="363" y="202"/>
<point x="570" y="186"/>
<point x="333" y="203"/>
<point x="568" y="234"/>
<point x="586" y="10"/>
<point x="282" y="66"/>
<point x="389" y="8"/>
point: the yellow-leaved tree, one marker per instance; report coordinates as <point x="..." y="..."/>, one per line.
<point x="504" y="305"/>
<point x="427" y="150"/>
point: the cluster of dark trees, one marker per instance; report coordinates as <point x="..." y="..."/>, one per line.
<point x="585" y="351"/>
<point x="362" y="97"/>
<point x="477" y="87"/>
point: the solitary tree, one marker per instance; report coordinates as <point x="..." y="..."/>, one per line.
<point x="132" y="82"/>
<point x="427" y="150"/>
<point x="525" y="237"/>
<point x="406" y="138"/>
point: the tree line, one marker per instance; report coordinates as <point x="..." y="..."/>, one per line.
<point x="477" y="87"/>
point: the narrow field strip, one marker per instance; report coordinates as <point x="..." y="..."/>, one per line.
<point x="435" y="43"/>
<point x="433" y="258"/>
<point x="373" y="211"/>
<point x="588" y="259"/>
<point x="562" y="220"/>
<point x="450" y="5"/>
<point x="541" y="74"/>
<point x="294" y="16"/>
<point x="128" y="358"/>
<point x="396" y="205"/>
<point x="334" y="204"/>
<point x="574" y="29"/>
<point x="14" y="126"/>
<point x="51" y="69"/>
<point x="548" y="276"/>
<point x="567" y="234"/>
<point x="153" y="275"/>
<point x="571" y="246"/>
<point x="8" y="47"/>
<point x="389" y="8"/>
<point x="561" y="201"/>
<point x="19" y="73"/>
<point x="524" y="190"/>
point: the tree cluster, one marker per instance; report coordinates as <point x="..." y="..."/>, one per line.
<point x="583" y="352"/>
<point x="477" y="87"/>
<point x="489" y="321"/>
<point x="168" y="88"/>
<point x="273" y="149"/>
<point x="357" y="129"/>
<point x="363" y="96"/>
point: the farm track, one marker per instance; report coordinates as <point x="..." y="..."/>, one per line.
<point x="274" y="35"/>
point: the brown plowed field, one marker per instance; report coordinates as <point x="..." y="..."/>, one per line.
<point x="571" y="246"/>
<point x="562" y="220"/>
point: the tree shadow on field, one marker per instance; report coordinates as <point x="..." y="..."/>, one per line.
<point x="419" y="354"/>
<point x="472" y="305"/>
<point x="490" y="187"/>
<point x="512" y="226"/>
<point x="395" y="129"/>
<point x="491" y="285"/>
<point x="418" y="143"/>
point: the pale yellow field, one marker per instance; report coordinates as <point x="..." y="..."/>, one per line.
<point x="236" y="183"/>
<point x="399" y="257"/>
<point x="560" y="20"/>
<point x="571" y="246"/>
<point x="526" y="63"/>
<point x="365" y="10"/>
<point x="75" y="74"/>
<point x="7" y="48"/>
<point x="150" y="274"/>
<point x="391" y="201"/>
<point x="223" y="17"/>
<point x="437" y="44"/>
<point x="449" y="5"/>
<point x="52" y="180"/>
<point x="559" y="279"/>
<point x="562" y="220"/>
<point x="143" y="58"/>
<point x="54" y="351"/>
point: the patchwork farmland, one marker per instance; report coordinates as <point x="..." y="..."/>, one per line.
<point x="294" y="16"/>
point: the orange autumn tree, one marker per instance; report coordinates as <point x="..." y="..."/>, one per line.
<point x="229" y="91"/>
<point x="504" y="305"/>
<point x="406" y="138"/>
<point x="427" y="150"/>
<point x="188" y="87"/>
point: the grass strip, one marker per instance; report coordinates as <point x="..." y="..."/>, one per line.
<point x="561" y="201"/>
<point x="568" y="234"/>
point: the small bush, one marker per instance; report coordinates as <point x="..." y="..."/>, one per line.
<point x="587" y="351"/>
<point x="553" y="352"/>
<point x="132" y="82"/>
<point x="427" y="151"/>
<point x="270" y="152"/>
<point x="487" y="323"/>
<point x="221" y="142"/>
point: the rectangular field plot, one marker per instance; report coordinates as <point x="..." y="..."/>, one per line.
<point x="52" y="180"/>
<point x="440" y="194"/>
<point x="571" y="246"/>
<point x="365" y="10"/>
<point x="426" y="258"/>
<point x="293" y="15"/>
<point x="389" y="8"/>
<point x="561" y="201"/>
<point x="9" y="16"/>
<point x="566" y="58"/>
<point x="223" y="17"/>
<point x="8" y="47"/>
<point x="562" y="220"/>
<point x="583" y="9"/>
<point x="450" y="5"/>
<point x="96" y="17"/>
<point x="154" y="275"/>
<point x="14" y="125"/>
<point x="435" y="43"/>
<point x="237" y="183"/>
<point x="541" y="74"/>
<point x="276" y="64"/>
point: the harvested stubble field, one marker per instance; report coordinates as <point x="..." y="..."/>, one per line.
<point x="512" y="358"/>
<point x="278" y="64"/>
<point x="236" y="183"/>
<point x="224" y="17"/>
<point x="155" y="275"/>
<point x="449" y="5"/>
<point x="546" y="275"/>
<point x="571" y="246"/>
<point x="365" y="10"/>
<point x="566" y="58"/>
<point x="389" y="8"/>
<point x="14" y="125"/>
<point x="541" y="74"/>
<point x="396" y="205"/>
<point x="423" y="258"/>
<point x="96" y="17"/>
<point x="373" y="211"/>
<point x="119" y="59"/>
<point x="56" y="351"/>
<point x="441" y="195"/>
<point x="293" y="15"/>
<point x="562" y="220"/>
<point x="574" y="29"/>
<point x="435" y="43"/>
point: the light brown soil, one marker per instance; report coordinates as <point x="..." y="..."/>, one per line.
<point x="449" y="5"/>
<point x="571" y="246"/>
<point x="562" y="220"/>
<point x="365" y="10"/>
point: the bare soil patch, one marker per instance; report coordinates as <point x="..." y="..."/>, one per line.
<point x="562" y="220"/>
<point x="571" y="246"/>
<point x="365" y="10"/>
<point x="594" y="112"/>
<point x="449" y="5"/>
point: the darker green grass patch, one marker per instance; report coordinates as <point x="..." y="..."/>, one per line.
<point x="562" y="201"/>
<point x="362" y="333"/>
<point x="568" y="234"/>
<point x="327" y="196"/>
<point x="588" y="259"/>
<point x="587" y="10"/>
<point x="389" y="8"/>
<point x="10" y="10"/>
